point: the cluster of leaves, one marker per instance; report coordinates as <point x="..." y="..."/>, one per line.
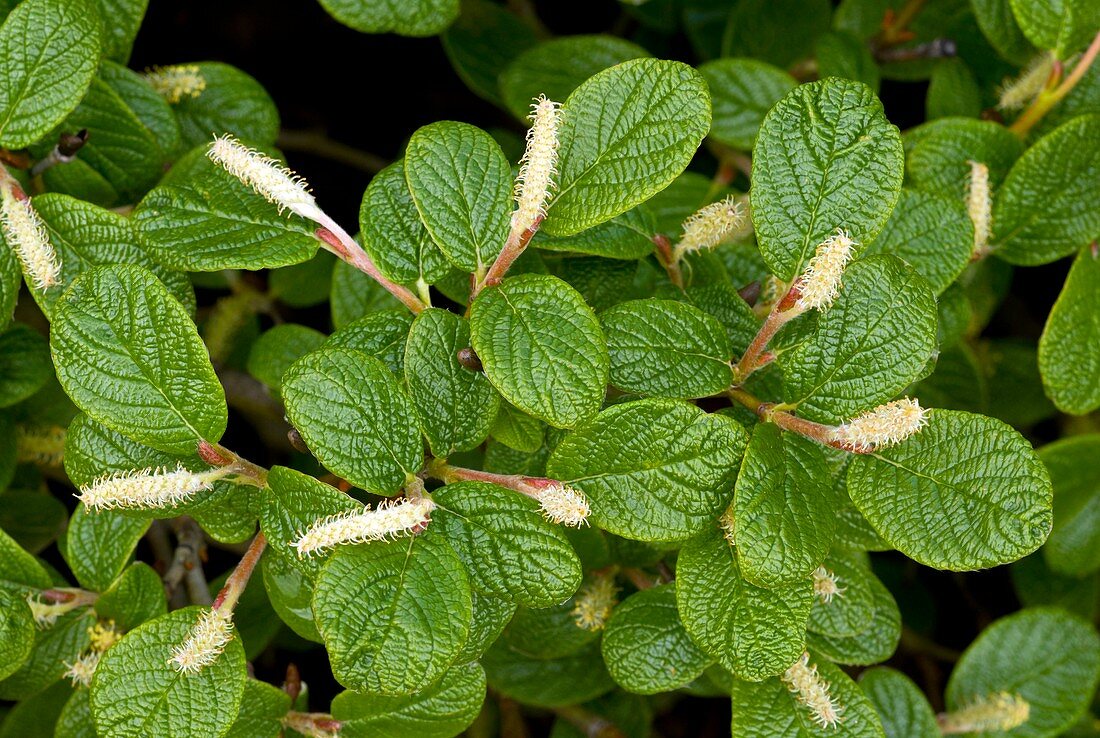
<point x="597" y="362"/>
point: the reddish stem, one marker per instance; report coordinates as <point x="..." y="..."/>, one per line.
<point x="513" y="249"/>
<point x="238" y="580"/>
<point x="344" y="246"/>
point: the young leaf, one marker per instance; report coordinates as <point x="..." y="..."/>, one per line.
<point x="394" y="615"/>
<point x="626" y="133"/>
<point x="415" y="18"/>
<point x="290" y="593"/>
<point x="1073" y="548"/>
<point x="277" y="349"/>
<point x="542" y="348"/>
<point x="646" y="647"/>
<point x="24" y="364"/>
<point x="125" y="19"/>
<point x="654" y="470"/>
<point x="382" y="334"/>
<point x="129" y="356"/>
<point x="903" y="708"/>
<point x="100" y="544"/>
<point x="844" y="54"/>
<point x="999" y="26"/>
<point x="826" y="143"/>
<point x="1037" y="214"/>
<point x="456" y="405"/>
<point x="51" y="48"/>
<point x="783" y="507"/>
<point x="1045" y="656"/>
<point x="443" y="710"/>
<point x="627" y="236"/>
<point x="509" y="550"/>
<point x="966" y="492"/>
<point x="462" y="186"/>
<point x="393" y="234"/>
<point x="743" y="91"/>
<point x="491" y="616"/>
<point x="666" y="348"/>
<point x="851" y="611"/>
<point x="870" y="345"/>
<point x="355" y="295"/>
<point x="938" y="154"/>
<point x="356" y="418"/>
<point x="1069" y="366"/>
<point x="137" y="691"/>
<point x="262" y="710"/>
<point x="484" y="40"/>
<point x="136" y="596"/>
<point x="754" y="632"/>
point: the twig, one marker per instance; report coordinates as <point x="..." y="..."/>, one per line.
<point x="318" y="144"/>
<point x="188" y="557"/>
<point x="1048" y="98"/>
<point x="231" y="592"/>
<point x="68" y="145"/>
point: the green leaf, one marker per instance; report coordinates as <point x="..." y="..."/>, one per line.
<point x="232" y="102"/>
<point x="128" y="355"/>
<point x="776" y="31"/>
<point x="626" y="236"/>
<point x="938" y="154"/>
<point x="33" y="519"/>
<point x="16" y="633"/>
<point x="1037" y="585"/>
<point x="59" y="643"/>
<point x="844" y="54"/>
<point x="393" y="234"/>
<point x="1073" y="548"/>
<point x="782" y="507"/>
<point x="86" y="236"/>
<point x="394" y="615"/>
<point x="557" y="67"/>
<point x="626" y="133"/>
<point x="603" y="283"/>
<point x="24" y="364"/>
<point x="383" y="334"/>
<point x="18" y="569"/>
<point x="137" y="691"/>
<point x="999" y="26"/>
<point x="1048" y="657"/>
<point x="903" y="708"/>
<point x="75" y="720"/>
<point x="275" y="350"/>
<point x="575" y="678"/>
<point x="1062" y="25"/>
<point x="125" y="18"/>
<point x="484" y="40"/>
<point x="666" y="348"/>
<point x="770" y="710"/>
<point x="743" y="91"/>
<point x="462" y="186"/>
<point x="871" y="344"/>
<point x="542" y="348"/>
<point x="416" y="18"/>
<point x="37" y="715"/>
<point x="931" y="233"/>
<point x="290" y="594"/>
<point x="736" y="316"/>
<point x="517" y="430"/>
<point x="100" y="544"/>
<point x="826" y="158"/>
<point x="654" y="470"/>
<point x="646" y="647"/>
<point x="966" y="492"/>
<point x="151" y="109"/>
<point x="262" y="709"/>
<point x="135" y="597"/>
<point x="852" y="609"/>
<point x="11" y="279"/>
<point x="209" y="220"/>
<point x="443" y="710"/>
<point x="51" y="48"/>
<point x="491" y="615"/>
<point x="291" y="505"/>
<point x="356" y="295"/>
<point x="753" y="632"/>
<point x="355" y="417"/>
<point x="953" y="91"/>
<point x="303" y="285"/>
<point x="456" y="405"/>
<point x="1067" y="362"/>
<point x="1037" y="214"/>
<point x="508" y="549"/>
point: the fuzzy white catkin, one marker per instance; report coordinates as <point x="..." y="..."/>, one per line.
<point x="266" y="176"/>
<point x="538" y="165"/>
<point x="886" y="425"/>
<point x="979" y="204"/>
<point x="147" y="489"/>
<point x="711" y="225"/>
<point x="81" y="671"/>
<point x="26" y="234"/>
<point x="997" y="712"/>
<point x="812" y="691"/>
<point x="826" y="586"/>
<point x="41" y="445"/>
<point x="390" y="520"/>
<point x="564" y="505"/>
<point x="820" y="281"/>
<point x="174" y="83"/>
<point x="1025" y="88"/>
<point x="205" y="642"/>
<point x="594" y="603"/>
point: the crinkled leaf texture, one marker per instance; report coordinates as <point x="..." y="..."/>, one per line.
<point x="902" y="707"/>
<point x="406" y="17"/>
<point x="129" y="356"/>
<point x="1073" y="548"/>
<point x="966" y="492"/>
<point x="1068" y="359"/>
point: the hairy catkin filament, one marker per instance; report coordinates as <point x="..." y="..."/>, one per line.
<point x="886" y="425"/>
<point x="979" y="204"/>
<point x="1019" y="92"/>
<point x="538" y="165"/>
<point x="266" y="176"/>
<point x="710" y="226"/>
<point x="42" y="446"/>
<point x="563" y="505"/>
<point x="26" y="235"/>
<point x="812" y="692"/>
<point x="174" y="83"/>
<point x="996" y="712"/>
<point x="826" y="586"/>
<point x="205" y="642"/>
<point x="594" y="603"/>
<point x="820" y="282"/>
<point x="390" y="520"/>
<point x="148" y="489"/>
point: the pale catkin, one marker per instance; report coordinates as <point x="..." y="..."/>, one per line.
<point x="594" y="603"/>
<point x="266" y="177"/>
<point x="812" y="692"/>
<point x="826" y="585"/>
<point x="42" y="446"/>
<point x="390" y="520"/>
<point x="147" y="489"/>
<point x="205" y="642"/>
<point x="538" y="167"/>
<point x="46" y="614"/>
<point x="886" y="425"/>
<point x="174" y="83"/>
<point x="820" y="282"/>
<point x="979" y="204"/>
<point x="26" y="234"/>
<point x="81" y="671"/>
<point x="710" y="226"/>
<point x="1019" y="92"/>
<point x="564" y="505"/>
<point x="996" y="712"/>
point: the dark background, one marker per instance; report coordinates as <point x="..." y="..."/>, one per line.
<point x="372" y="91"/>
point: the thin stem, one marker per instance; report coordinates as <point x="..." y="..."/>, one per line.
<point x="666" y="255"/>
<point x="65" y="151"/>
<point x="188" y="557"/>
<point x="245" y="470"/>
<point x="229" y="595"/>
<point x="897" y="30"/>
<point x="318" y="144"/>
<point x="530" y="486"/>
<point x="513" y="249"/>
<point x="344" y="246"/>
<point x="69" y="596"/>
<point x="639" y="578"/>
<point x="1048" y="98"/>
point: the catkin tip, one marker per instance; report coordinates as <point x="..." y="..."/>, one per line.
<point x="594" y="603"/>
<point x="538" y="165"/>
<point x="266" y="176"/>
<point x="205" y="642"/>
<point x="820" y="282"/>
<point x="812" y="692"/>
<point x="147" y="489"/>
<point x="392" y="519"/>
<point x="27" y="236"/>
<point x="174" y="83"/>
<point x="886" y="425"/>
<point x="564" y="505"/>
<point x="711" y="225"/>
